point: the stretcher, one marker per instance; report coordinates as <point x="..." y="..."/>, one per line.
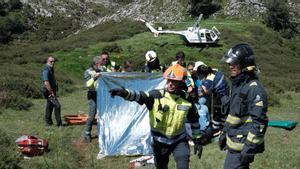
<point x="73" y="119"/>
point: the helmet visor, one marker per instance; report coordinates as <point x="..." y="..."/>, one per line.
<point x="230" y="58"/>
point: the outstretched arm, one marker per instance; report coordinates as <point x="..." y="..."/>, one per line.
<point x="140" y="97"/>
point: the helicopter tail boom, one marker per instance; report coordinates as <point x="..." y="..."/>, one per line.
<point x="157" y="32"/>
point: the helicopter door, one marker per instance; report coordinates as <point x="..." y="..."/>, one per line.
<point x="214" y="37"/>
<point x="208" y="36"/>
<point x="215" y="34"/>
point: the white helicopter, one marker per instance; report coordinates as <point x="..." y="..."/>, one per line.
<point x="193" y="35"/>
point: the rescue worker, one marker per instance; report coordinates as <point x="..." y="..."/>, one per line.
<point x="152" y="63"/>
<point x="50" y="88"/>
<point x="128" y="66"/>
<point x="203" y="111"/>
<point x="246" y="124"/>
<point x="214" y="85"/>
<point x="169" y="111"/>
<point x="90" y="77"/>
<point x="180" y="57"/>
<point x="110" y="66"/>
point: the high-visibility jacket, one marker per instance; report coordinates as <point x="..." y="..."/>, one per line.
<point x="168" y="114"/>
<point x="247" y="121"/>
<point x="90" y="79"/>
<point x="111" y="67"/>
<point x="89" y="75"/>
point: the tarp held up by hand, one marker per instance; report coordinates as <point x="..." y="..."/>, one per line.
<point x="124" y="126"/>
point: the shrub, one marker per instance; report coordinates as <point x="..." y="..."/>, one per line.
<point x="18" y="83"/>
<point x="206" y="7"/>
<point x="278" y="18"/>
<point x="9" y="158"/>
<point x="112" y="48"/>
<point x="11" y="20"/>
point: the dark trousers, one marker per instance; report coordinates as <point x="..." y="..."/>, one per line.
<point x="180" y="151"/>
<point x="92" y="113"/>
<point x="219" y="116"/>
<point x="52" y="103"/>
<point x="233" y="161"/>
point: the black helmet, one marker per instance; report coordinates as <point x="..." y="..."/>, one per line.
<point x="241" y="54"/>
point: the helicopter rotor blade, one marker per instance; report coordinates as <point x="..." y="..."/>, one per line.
<point x="196" y="24"/>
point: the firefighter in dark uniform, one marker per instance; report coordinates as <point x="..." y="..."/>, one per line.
<point x="246" y="124"/>
<point x="152" y="64"/>
<point x="169" y="111"/>
<point x="214" y="85"/>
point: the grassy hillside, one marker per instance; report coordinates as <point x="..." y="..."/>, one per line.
<point x="277" y="57"/>
<point x="21" y="62"/>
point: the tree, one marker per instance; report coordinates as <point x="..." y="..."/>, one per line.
<point x="277" y="16"/>
<point x="206" y="7"/>
<point x="11" y="20"/>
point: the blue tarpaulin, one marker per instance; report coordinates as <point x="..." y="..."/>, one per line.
<point x="123" y="126"/>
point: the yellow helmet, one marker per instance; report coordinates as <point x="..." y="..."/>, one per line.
<point x="175" y="72"/>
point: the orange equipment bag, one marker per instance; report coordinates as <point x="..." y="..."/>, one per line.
<point x="32" y="146"/>
<point x="77" y="118"/>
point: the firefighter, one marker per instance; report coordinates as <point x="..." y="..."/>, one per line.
<point x="246" y="124"/>
<point x="180" y="59"/>
<point x="214" y="85"/>
<point x="152" y="63"/>
<point x="169" y="111"/>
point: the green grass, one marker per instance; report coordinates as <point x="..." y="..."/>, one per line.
<point x="277" y="57"/>
<point x="68" y="151"/>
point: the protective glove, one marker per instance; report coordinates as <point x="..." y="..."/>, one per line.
<point x="247" y="158"/>
<point x="198" y="148"/>
<point x="122" y="92"/>
<point x="222" y="142"/>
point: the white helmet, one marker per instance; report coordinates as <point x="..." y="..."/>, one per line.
<point x="150" y="56"/>
<point x="197" y="64"/>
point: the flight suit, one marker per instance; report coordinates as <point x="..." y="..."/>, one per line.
<point x="246" y="124"/>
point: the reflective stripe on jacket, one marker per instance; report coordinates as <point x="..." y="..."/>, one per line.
<point x="90" y="82"/>
<point x="246" y="123"/>
<point x="168" y="115"/>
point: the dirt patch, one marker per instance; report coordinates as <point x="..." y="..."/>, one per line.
<point x="80" y="146"/>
